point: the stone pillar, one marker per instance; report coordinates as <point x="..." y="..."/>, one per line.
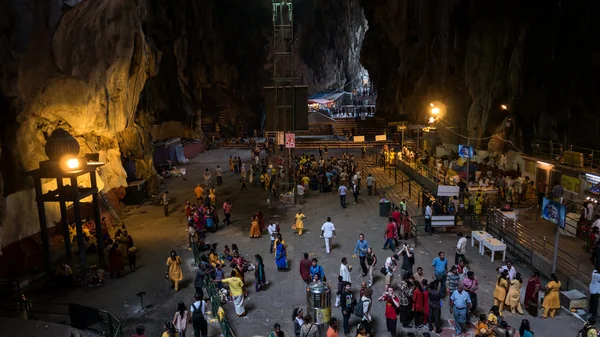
<point x="64" y="220"/>
<point x="98" y="221"/>
<point x="78" y="225"/>
<point x="43" y="225"/>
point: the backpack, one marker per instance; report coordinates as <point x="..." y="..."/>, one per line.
<point x="197" y="317"/>
<point x="359" y="309"/>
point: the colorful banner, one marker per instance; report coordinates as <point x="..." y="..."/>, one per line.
<point x="570" y="184"/>
<point x="554" y="212"/>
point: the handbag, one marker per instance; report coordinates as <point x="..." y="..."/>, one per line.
<point x="383" y="270"/>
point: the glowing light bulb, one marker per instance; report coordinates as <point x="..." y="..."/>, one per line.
<point x="72" y="163"/>
<point x="435" y="111"/>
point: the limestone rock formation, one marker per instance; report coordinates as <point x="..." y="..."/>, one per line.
<point x="539" y="58"/>
<point x="87" y="78"/>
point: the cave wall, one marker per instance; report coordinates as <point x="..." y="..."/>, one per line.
<point x="115" y="73"/>
<point x="539" y="57"/>
<point x="329" y="35"/>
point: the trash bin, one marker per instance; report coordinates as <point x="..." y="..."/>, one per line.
<point x="384" y="208"/>
<point x="318" y="303"/>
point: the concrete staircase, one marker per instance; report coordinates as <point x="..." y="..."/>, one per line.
<point x="371" y="126"/>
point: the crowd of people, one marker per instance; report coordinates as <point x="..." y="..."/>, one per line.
<point x="416" y="300"/>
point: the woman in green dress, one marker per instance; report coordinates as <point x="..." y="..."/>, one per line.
<point x="259" y="274"/>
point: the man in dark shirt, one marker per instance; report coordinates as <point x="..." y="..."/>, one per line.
<point x="347" y="302"/>
<point x="305" y="264"/>
<point x="434" y="308"/>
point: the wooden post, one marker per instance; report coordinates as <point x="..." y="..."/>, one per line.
<point x="78" y="225"/>
<point x="98" y="221"/>
<point x="64" y="221"/>
<point x="43" y="226"/>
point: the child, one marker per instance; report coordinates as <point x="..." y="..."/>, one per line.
<point x="361" y="331"/>
<point x="227" y="253"/>
<point x="219" y="276"/>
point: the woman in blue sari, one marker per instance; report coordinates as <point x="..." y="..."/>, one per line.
<point x="280" y="255"/>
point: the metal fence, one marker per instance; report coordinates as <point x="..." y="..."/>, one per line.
<point x="527" y="245"/>
<point x="556" y="152"/>
<point x="215" y="299"/>
<point x="107" y="324"/>
<point x="394" y="202"/>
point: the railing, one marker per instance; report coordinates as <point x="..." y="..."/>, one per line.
<point x="526" y="245"/>
<point x="215" y="299"/>
<point x="414" y="228"/>
<point x="555" y="151"/>
<point x="107" y="325"/>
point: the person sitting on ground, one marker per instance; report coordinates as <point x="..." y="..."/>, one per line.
<point x="63" y="275"/>
<point x="503" y="330"/>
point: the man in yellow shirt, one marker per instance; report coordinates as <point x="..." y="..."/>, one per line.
<point x="236" y="288"/>
<point x="199" y="191"/>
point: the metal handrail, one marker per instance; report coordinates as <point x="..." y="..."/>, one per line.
<point x="215" y="299"/>
<point x="513" y="232"/>
<point x="393" y="203"/>
<point x="555" y="151"/>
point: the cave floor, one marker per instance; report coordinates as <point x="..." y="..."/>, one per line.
<point x="156" y="235"/>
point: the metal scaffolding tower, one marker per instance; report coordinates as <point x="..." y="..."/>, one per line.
<point x="283" y="74"/>
<point x="283" y="64"/>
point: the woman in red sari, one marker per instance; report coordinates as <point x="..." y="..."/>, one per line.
<point x="261" y="220"/>
<point x="115" y="261"/>
<point x="532" y="294"/>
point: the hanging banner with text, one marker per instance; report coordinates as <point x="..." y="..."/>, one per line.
<point x="570" y="184"/>
<point x="290" y="140"/>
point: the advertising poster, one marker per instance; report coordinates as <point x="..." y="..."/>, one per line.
<point x="465" y="151"/>
<point x="554" y="212"/>
<point x="570" y="184"/>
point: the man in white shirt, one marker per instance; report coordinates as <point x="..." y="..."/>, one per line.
<point x="596" y="221"/>
<point x="590" y="211"/>
<point x="342" y="190"/>
<point x="428" y="215"/>
<point x="594" y="293"/>
<point x="370" y="183"/>
<point x="300" y="190"/>
<point x="390" y="267"/>
<point x="327" y="233"/>
<point x="357" y="177"/>
<point x="512" y="272"/>
<point x="272" y="228"/>
<point x="219" y="174"/>
<point x="345" y="271"/>
<point x="460" y="249"/>
<point x="200" y="327"/>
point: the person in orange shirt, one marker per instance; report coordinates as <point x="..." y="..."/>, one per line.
<point x="333" y="328"/>
<point x="199" y="191"/>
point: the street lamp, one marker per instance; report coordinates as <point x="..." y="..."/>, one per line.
<point x="63" y="162"/>
<point x="504" y="107"/>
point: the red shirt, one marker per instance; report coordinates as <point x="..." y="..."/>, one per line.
<point x="389" y="232"/>
<point x="396" y="216"/>
<point x="390" y="308"/>
<point x="305" y="269"/>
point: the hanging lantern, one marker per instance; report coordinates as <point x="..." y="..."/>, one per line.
<point x="61" y="144"/>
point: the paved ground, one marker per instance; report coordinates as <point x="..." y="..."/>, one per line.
<point x="157" y="235"/>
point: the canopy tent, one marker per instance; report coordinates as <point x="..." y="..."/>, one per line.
<point x="326" y="97"/>
<point x="319" y="118"/>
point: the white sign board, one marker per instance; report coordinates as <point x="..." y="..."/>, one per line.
<point x="447" y="191"/>
<point x="359" y="138"/>
<point x="290" y="140"/>
<point x="380" y="138"/>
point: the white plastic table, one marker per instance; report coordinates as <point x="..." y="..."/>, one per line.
<point x="479" y="236"/>
<point x="494" y="245"/>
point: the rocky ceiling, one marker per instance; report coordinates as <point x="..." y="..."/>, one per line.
<point x="542" y="58"/>
<point x="109" y="71"/>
